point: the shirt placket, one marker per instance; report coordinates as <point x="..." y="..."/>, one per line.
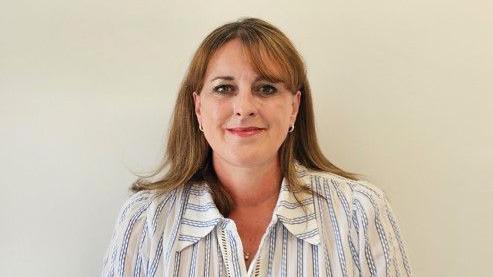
<point x="231" y="249"/>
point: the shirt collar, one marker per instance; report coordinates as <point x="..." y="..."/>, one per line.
<point x="300" y="218"/>
<point x="200" y="215"/>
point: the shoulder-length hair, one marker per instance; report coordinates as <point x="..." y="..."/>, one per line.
<point x="188" y="155"/>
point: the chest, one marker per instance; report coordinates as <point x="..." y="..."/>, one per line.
<point x="250" y="232"/>
<point x="251" y="229"/>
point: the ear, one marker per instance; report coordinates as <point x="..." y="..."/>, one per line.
<point x="196" y="100"/>
<point x="295" y="106"/>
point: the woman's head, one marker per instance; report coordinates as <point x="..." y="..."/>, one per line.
<point x="266" y="53"/>
<point x="271" y="56"/>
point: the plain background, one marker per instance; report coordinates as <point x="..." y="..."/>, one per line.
<point x="403" y="94"/>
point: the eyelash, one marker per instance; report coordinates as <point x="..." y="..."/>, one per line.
<point x="217" y="88"/>
<point x="270" y="87"/>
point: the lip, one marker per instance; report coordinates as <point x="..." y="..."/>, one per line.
<point x="245" y="131"/>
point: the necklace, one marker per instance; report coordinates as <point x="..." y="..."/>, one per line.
<point x="247" y="255"/>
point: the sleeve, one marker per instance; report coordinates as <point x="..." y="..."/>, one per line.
<point x="380" y="247"/>
<point x="127" y="252"/>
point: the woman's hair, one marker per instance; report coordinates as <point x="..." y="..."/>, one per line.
<point x="188" y="156"/>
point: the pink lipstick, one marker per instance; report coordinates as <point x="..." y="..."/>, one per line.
<point x="245" y="131"/>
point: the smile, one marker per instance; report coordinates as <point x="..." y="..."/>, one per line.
<point x="245" y="132"/>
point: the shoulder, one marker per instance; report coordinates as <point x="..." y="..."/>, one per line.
<point x="140" y="226"/>
<point x="330" y="185"/>
<point x="316" y="180"/>
<point x="146" y="214"/>
<point x="366" y="212"/>
<point x="149" y="205"/>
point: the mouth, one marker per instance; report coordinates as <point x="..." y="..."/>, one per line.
<point x="245" y="131"/>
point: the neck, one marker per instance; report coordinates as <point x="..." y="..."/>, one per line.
<point x="253" y="186"/>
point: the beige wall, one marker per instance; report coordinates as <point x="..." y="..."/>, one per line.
<point x="403" y="94"/>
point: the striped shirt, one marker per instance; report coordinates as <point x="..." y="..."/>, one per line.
<point x="342" y="228"/>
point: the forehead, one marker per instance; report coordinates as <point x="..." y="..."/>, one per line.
<point x="235" y="56"/>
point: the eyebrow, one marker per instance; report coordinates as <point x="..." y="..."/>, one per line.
<point x="259" y="78"/>
<point x="228" y="78"/>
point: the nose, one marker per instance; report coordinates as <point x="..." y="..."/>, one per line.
<point x="244" y="104"/>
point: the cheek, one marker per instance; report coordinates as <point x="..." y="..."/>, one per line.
<point x="279" y="114"/>
<point x="215" y="114"/>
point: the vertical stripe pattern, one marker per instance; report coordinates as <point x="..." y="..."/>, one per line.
<point x="342" y="228"/>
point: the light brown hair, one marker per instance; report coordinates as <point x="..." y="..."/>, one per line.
<point x="188" y="156"/>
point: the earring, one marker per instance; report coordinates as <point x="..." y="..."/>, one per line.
<point x="201" y="128"/>
<point x="291" y="129"/>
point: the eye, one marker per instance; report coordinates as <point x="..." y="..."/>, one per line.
<point x="223" y="89"/>
<point x="267" y="89"/>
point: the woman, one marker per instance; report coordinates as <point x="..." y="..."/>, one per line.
<point x="246" y="190"/>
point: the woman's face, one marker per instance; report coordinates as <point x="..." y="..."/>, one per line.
<point x="245" y="118"/>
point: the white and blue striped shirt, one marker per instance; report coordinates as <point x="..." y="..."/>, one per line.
<point x="349" y="230"/>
